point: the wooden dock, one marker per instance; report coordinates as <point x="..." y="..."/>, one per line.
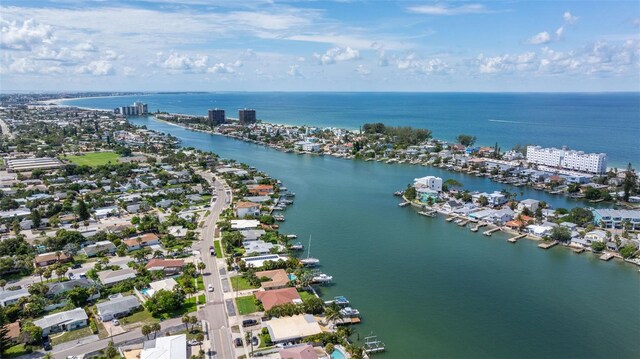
<point x="515" y="239"/>
<point x="478" y="226"/>
<point x="489" y="232"/>
<point x="607" y="256"/>
<point x="463" y="223"/>
<point x="449" y="219"/>
<point x="577" y="250"/>
<point x="547" y="245"/>
<point x="347" y="321"/>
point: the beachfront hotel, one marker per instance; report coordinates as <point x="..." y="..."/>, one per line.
<point x="568" y="159"/>
<point x="246" y="115"/>
<point x="216" y="117"/>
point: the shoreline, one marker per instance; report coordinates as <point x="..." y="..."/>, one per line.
<point x="613" y="165"/>
<point x="506" y="230"/>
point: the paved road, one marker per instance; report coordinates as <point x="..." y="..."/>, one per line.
<point x="5" y="129"/>
<point x="214" y="314"/>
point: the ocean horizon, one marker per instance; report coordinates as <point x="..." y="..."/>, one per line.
<point x="602" y="123"/>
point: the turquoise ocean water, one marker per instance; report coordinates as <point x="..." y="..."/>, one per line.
<point x="607" y="123"/>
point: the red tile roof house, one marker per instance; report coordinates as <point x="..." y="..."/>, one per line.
<point x="147" y="239"/>
<point x="271" y="298"/>
<point x="243" y="209"/>
<point x="46" y="259"/>
<point x="169" y="266"/>
<point x="260" y="189"/>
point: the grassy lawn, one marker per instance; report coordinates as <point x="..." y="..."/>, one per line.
<point x="72" y="335"/>
<point x="246" y="305"/>
<point x="189" y="306"/>
<point x="240" y="283"/>
<point x="94" y="159"/>
<point x="15" y="351"/>
<point x="304" y="295"/>
<point x="216" y="245"/>
<point x="138" y="319"/>
<point x="200" y="283"/>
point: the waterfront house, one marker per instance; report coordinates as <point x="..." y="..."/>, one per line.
<point x="303" y="351"/>
<point x="244" y="209"/>
<point x="259" y="247"/>
<point x="99" y="247"/>
<point x="530" y="204"/>
<point x="62" y="321"/>
<point x="169" y="266"/>
<point x="260" y="190"/>
<point x="597" y="235"/>
<point x="616" y="218"/>
<point x="252" y="234"/>
<point x="292" y="329"/>
<point x="452" y="205"/>
<point x="9" y="297"/>
<point x="502" y="216"/>
<point x="244" y="224"/>
<point x="278" y="278"/>
<point x="117" y="307"/>
<point x="110" y="277"/>
<point x="539" y="230"/>
<point x="47" y="259"/>
<point x="258" y="261"/>
<point x="271" y="298"/>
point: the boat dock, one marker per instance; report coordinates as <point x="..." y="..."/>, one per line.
<point x="463" y="223"/>
<point x="478" y="226"/>
<point x="449" y="219"/>
<point x="426" y="213"/>
<point x="373" y="345"/>
<point x="515" y="239"/>
<point x="607" y="256"/>
<point x="547" y="245"/>
<point x="577" y="250"/>
<point x="489" y="232"/>
<point x="347" y="321"/>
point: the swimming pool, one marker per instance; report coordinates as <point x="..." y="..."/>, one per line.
<point x="338" y="354"/>
<point x="292" y="277"/>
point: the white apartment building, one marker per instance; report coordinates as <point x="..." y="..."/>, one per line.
<point x="432" y="182"/>
<point x="568" y="159"/>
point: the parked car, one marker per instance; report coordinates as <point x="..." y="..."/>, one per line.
<point x="193" y="342"/>
<point x="249" y="322"/>
<point x="115" y="322"/>
<point x="46" y="343"/>
<point x="237" y="342"/>
<point x="212" y="250"/>
<point x="254" y="341"/>
<point x="76" y="266"/>
<point x="210" y="288"/>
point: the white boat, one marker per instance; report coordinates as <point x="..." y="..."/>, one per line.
<point x="310" y="261"/>
<point x="349" y="312"/>
<point x="292" y="236"/>
<point x="297" y="247"/>
<point x="321" y="278"/>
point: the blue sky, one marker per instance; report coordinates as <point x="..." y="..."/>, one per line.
<point x="163" y="45"/>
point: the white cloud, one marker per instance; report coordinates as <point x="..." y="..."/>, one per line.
<point x="507" y="63"/>
<point x="569" y="18"/>
<point x="182" y="63"/>
<point x="23" y="36"/>
<point x="560" y="32"/>
<point x="442" y="9"/>
<point x="362" y="70"/>
<point x="417" y="65"/>
<point x="540" y="38"/>
<point x="97" y="68"/>
<point x="294" y="71"/>
<point x="337" y="54"/>
<point x="111" y="55"/>
<point x="222" y="68"/>
<point x="85" y="46"/>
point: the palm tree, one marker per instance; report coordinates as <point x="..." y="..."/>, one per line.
<point x="332" y="314"/>
<point x="146" y="330"/>
<point x="201" y="267"/>
<point x="155" y="327"/>
<point x="61" y="271"/>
